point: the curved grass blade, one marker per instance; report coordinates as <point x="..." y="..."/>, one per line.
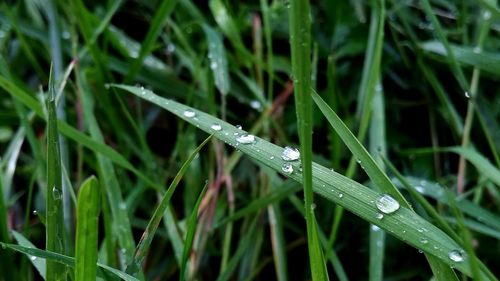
<point x="67" y="261"/>
<point x="87" y="230"/>
<point x="55" y="223"/>
<point x="404" y="224"/>
<point x="143" y="246"/>
<point x="5" y="259"/>
<point x="39" y="264"/>
<point x="190" y="232"/>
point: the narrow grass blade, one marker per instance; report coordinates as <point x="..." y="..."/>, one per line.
<point x="67" y="261"/>
<point x="218" y="59"/>
<point x="484" y="60"/>
<point x="378" y="148"/>
<point x="5" y="258"/>
<point x="55" y="223"/>
<point x="300" y="41"/>
<point x="108" y="179"/>
<point x="159" y="20"/>
<point x="404" y="224"/>
<point x="373" y="170"/>
<point x="39" y="264"/>
<point x="190" y="232"/>
<point x="455" y="67"/>
<point x="87" y="230"/>
<point x="143" y="246"/>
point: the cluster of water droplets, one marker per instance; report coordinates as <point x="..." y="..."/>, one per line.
<point x="289" y="154"/>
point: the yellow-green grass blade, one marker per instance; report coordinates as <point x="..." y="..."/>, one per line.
<point x="404" y="224"/>
<point x="54" y="207"/>
<point x="87" y="218"/>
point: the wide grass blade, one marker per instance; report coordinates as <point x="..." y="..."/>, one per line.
<point x="55" y="223"/>
<point x="87" y="218"/>
<point x="404" y="224"/>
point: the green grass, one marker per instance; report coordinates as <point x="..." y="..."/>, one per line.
<point x="380" y="97"/>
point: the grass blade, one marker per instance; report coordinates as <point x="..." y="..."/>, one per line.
<point x="159" y="20"/>
<point x="372" y="169"/>
<point x="405" y="224"/>
<point x="190" y="232"/>
<point x="300" y="40"/>
<point x="55" y="223"/>
<point x="67" y="261"/>
<point x="143" y="246"/>
<point x="87" y="230"/>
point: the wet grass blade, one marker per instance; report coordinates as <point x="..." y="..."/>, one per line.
<point x="218" y="59"/>
<point x="63" y="260"/>
<point x="55" y="223"/>
<point x="87" y="218"/>
<point x="5" y="258"/>
<point x="143" y="246"/>
<point x="300" y="41"/>
<point x="372" y="169"/>
<point x="404" y="224"/>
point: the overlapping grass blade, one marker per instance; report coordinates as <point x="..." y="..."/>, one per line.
<point x="484" y="60"/>
<point x="300" y="41"/>
<point x="87" y="218"/>
<point x="55" y="223"/>
<point x="63" y="260"/>
<point x="360" y="200"/>
<point x="159" y="20"/>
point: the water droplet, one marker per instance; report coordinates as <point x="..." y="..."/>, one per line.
<point x="213" y="65"/>
<point x="467" y="95"/>
<point x="239" y="127"/>
<point x="358" y="160"/>
<point x="420" y="251"/>
<point x="272" y="157"/>
<point x="170" y="48"/>
<point x="424" y="240"/>
<point x="65" y="35"/>
<point x="313" y="206"/>
<point x="246" y="139"/>
<point x="56" y="194"/>
<point x="456" y="255"/>
<point x="123" y="205"/>
<point x="255" y="104"/>
<point x="216" y="127"/>
<point x="386" y="204"/>
<point x="189" y="113"/>
<point x="379" y="216"/>
<point x="375" y="227"/>
<point x="419" y="189"/>
<point x="477" y="50"/>
<point x="341" y="195"/>
<point x="290" y="154"/>
<point x="32" y="258"/>
<point x="287" y="168"/>
<point x="35" y="212"/>
<point x="486" y="15"/>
